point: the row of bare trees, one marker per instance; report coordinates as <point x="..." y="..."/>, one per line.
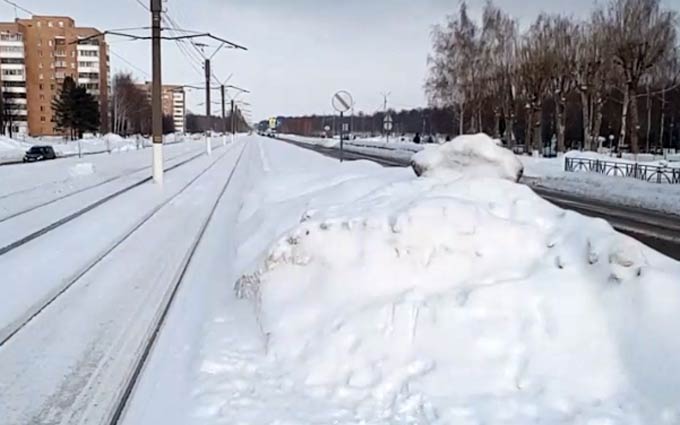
<point x="131" y="108"/>
<point x="625" y="53"/>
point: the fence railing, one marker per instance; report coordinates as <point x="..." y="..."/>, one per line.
<point x="649" y="173"/>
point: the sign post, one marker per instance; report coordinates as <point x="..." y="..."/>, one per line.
<point x="342" y="102"/>
<point x="387" y="126"/>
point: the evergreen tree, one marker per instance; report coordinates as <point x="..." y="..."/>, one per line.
<point x="86" y="117"/>
<point x="75" y="110"/>
<point x="63" y="107"/>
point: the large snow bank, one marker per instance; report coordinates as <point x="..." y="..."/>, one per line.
<point x="471" y="301"/>
<point x="469" y="155"/>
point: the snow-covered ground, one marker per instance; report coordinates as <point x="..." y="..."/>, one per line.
<point x="351" y="293"/>
<point x="13" y="150"/>
<point x="549" y="173"/>
<point x="70" y="360"/>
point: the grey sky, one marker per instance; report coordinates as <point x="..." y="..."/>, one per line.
<point x="300" y="51"/>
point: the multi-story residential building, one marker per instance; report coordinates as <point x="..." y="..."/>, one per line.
<point x="51" y="52"/>
<point x="13" y="79"/>
<point x="174" y="103"/>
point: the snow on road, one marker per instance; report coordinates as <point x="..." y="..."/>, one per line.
<point x="373" y="296"/>
<point x="69" y="363"/>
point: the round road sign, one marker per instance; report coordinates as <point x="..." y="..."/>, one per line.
<point x="342" y="101"/>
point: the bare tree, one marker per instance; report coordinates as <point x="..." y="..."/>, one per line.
<point x="592" y="74"/>
<point x="500" y="39"/>
<point x="640" y="33"/>
<point x="560" y="34"/>
<point x="131" y="106"/>
<point x="456" y="65"/>
<point x="533" y="75"/>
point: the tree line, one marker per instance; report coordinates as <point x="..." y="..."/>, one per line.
<point x="131" y="108"/>
<point x="622" y="66"/>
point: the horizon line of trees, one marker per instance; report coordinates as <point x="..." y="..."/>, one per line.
<point x="620" y="67"/>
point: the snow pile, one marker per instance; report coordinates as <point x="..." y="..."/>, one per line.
<point x="471" y="301"/>
<point x="12" y="150"/>
<point x="468" y="155"/>
<point x="113" y="138"/>
<point x="81" y="169"/>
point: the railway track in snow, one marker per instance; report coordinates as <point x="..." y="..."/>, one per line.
<point x="10" y="220"/>
<point x="657" y="230"/>
<point x="7" y="333"/>
<point x="107" y="406"/>
<point x="140" y="362"/>
<point x="75" y="192"/>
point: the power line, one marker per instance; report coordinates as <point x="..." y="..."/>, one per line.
<point x="129" y="63"/>
<point x="143" y="5"/>
<point x="23" y="9"/>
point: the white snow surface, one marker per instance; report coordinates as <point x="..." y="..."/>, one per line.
<point x="82" y="169"/>
<point x="373" y="296"/>
<point x="475" y="155"/>
<point x="549" y="173"/>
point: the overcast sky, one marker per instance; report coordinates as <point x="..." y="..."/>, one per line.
<point x="300" y="51"/>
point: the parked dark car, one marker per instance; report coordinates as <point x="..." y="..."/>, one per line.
<point x="39" y="153"/>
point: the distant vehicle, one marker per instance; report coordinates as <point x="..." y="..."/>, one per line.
<point x="39" y="153"/>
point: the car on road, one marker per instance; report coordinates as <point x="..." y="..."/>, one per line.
<point x="39" y="153"/>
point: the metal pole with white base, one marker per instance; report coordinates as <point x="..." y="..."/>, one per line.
<point x="156" y="105"/>
<point x="208" y="144"/>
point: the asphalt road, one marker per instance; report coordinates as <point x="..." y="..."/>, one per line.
<point x="657" y="230"/>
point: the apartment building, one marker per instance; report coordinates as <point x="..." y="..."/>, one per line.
<point x="174" y="103"/>
<point x="51" y="51"/>
<point x="13" y="78"/>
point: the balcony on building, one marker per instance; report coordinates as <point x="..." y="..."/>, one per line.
<point x="9" y="36"/>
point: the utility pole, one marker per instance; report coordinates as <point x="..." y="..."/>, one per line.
<point x="385" y="95"/>
<point x="208" y="73"/>
<point x="224" y="117"/>
<point x="233" y="110"/>
<point x="156" y="95"/>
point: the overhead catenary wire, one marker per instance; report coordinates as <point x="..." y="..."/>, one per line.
<point x="130" y="63"/>
<point x="16" y="6"/>
<point x="143" y="5"/>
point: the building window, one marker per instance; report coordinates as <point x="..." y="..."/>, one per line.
<point x="42" y="108"/>
<point x="14" y="72"/>
<point x="73" y="65"/>
<point x="49" y="42"/>
<point x="52" y="87"/>
<point x="42" y="119"/>
<point x="42" y="97"/>
<point x="49" y="24"/>
<point x="39" y="24"/>
<point x="39" y="43"/>
<point x="61" y="24"/>
<point x="12" y="61"/>
<point x="40" y="65"/>
<point x="40" y="86"/>
<point x="90" y="53"/>
<point x="40" y="53"/>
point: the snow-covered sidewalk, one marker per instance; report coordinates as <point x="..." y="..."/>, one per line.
<point x="367" y="295"/>
<point x="549" y="173"/>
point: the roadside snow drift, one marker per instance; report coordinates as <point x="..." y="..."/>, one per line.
<point x="471" y="301"/>
<point x="475" y="155"/>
